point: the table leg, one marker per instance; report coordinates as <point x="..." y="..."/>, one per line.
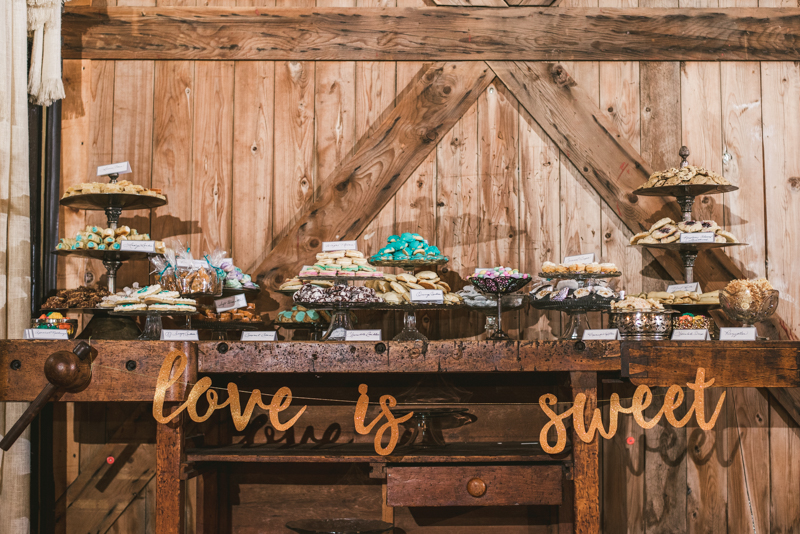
<point x="586" y="472"/>
<point x="169" y="486"/>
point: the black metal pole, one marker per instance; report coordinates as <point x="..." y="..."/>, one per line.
<point x="35" y="185"/>
<point x="52" y="175"/>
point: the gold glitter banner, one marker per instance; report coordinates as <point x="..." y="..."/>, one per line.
<point x="641" y="400"/>
<point x="175" y="364"/>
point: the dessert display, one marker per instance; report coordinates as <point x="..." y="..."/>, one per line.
<point x="407" y="249"/>
<point x="685" y="184"/>
<point x="97" y="238"/>
<point x="55" y="321"/>
<point x="688" y="175"/>
<point x="668" y="231"/>
<point x="123" y="187"/>
<point x="556" y="270"/>
<point x="499" y="281"/>
<point x="637" y="304"/>
<point x="749" y="301"/>
<point x="238" y="315"/>
<point x="336" y="295"/>
<point x="149" y="299"/>
<point x="581" y="288"/>
<point x="396" y="289"/>
<point x="178" y="271"/>
<point x="640" y="319"/>
<point x="82" y="297"/>
<point x="300" y="314"/>
<point x="105" y="243"/>
<point x="488" y="304"/>
<point x="340" y="263"/>
<point x="677" y="298"/>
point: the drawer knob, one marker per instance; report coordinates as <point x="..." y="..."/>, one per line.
<point x="476" y="487"/>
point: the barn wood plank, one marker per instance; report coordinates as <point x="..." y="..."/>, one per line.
<point x="608" y="162"/>
<point x="170" y="489"/>
<point x="111" y="382"/>
<point x="784" y="447"/>
<point x="408" y="357"/>
<point x="253" y="117"/>
<point x="103" y="492"/>
<point x="586" y="458"/>
<point x="173" y="110"/>
<point x="213" y="156"/>
<point x="539" y="225"/>
<point x="498" y="184"/>
<point x="749" y="469"/>
<point x="132" y="106"/>
<point x="380" y="165"/>
<point x="732" y="364"/>
<point x="431" y="34"/>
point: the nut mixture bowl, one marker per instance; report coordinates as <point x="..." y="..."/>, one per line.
<point x="749" y="307"/>
<point x="641" y="325"/>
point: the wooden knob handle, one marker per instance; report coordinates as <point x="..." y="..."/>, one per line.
<point x="476" y="487"/>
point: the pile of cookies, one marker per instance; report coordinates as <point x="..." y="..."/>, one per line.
<point x="121" y="186"/>
<point x="148" y="298"/>
<point x="396" y="289"/>
<point x="568" y="290"/>
<point x="341" y="263"/>
<point x="98" y="238"/>
<point x="82" y="297"/>
<point x="313" y="294"/>
<point x="549" y="267"/>
<point x="301" y="314"/>
<point x="682" y="297"/>
<point x="689" y="175"/>
<point x="239" y="315"/>
<point x="749" y="294"/>
<point x="667" y="231"/>
<point x="408" y="246"/>
<point x="636" y="304"/>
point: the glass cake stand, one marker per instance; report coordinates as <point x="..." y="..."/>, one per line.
<point x="153" y="324"/>
<point x="499" y="286"/>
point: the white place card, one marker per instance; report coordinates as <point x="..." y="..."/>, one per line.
<point x="44" y="334"/>
<point x="581" y="258"/>
<point x="179" y="335"/>
<point x="190" y="264"/>
<point x="114" y="168"/>
<point x="427" y="296"/>
<point x="362" y="335"/>
<point x="330" y="246"/>
<point x="600" y="334"/>
<point x="738" y="334"/>
<point x="230" y="303"/>
<point x="684" y="287"/>
<point x="694" y="334"/>
<point x="138" y="246"/>
<point x="699" y="237"/>
<point x="271" y="335"/>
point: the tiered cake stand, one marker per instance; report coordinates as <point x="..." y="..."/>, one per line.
<point x="576" y="309"/>
<point x="113" y="204"/>
<point x="410" y="331"/>
<point x="498" y="287"/>
<point x="685" y="194"/>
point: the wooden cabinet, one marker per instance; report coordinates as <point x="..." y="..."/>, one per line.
<point x="474" y="485"/>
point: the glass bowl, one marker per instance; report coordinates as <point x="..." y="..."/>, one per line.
<point x="748" y="307"/>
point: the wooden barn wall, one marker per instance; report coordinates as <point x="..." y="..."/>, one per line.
<point x="239" y="146"/>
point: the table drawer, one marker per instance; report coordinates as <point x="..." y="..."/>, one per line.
<point x="475" y="485"/>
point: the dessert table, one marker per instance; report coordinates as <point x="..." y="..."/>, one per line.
<point x="457" y="475"/>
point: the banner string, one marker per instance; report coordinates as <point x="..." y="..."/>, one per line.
<point x="348" y="401"/>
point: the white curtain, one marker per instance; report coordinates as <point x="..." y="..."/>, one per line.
<point x="15" y="260"/>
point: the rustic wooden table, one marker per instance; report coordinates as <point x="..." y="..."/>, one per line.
<point x="731" y="364"/>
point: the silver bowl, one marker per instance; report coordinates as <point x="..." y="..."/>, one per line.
<point x="640" y="325"/>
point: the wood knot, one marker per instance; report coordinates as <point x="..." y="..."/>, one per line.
<point x="632" y="198"/>
<point x="562" y="78"/>
<point x="314" y="243"/>
<point x="446" y="89"/>
<point x="794" y="183"/>
<point x="431" y="135"/>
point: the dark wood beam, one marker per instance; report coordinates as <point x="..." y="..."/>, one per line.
<point x="608" y="162"/>
<point x="789" y="398"/>
<point x="432" y="33"/>
<point x="379" y="165"/>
